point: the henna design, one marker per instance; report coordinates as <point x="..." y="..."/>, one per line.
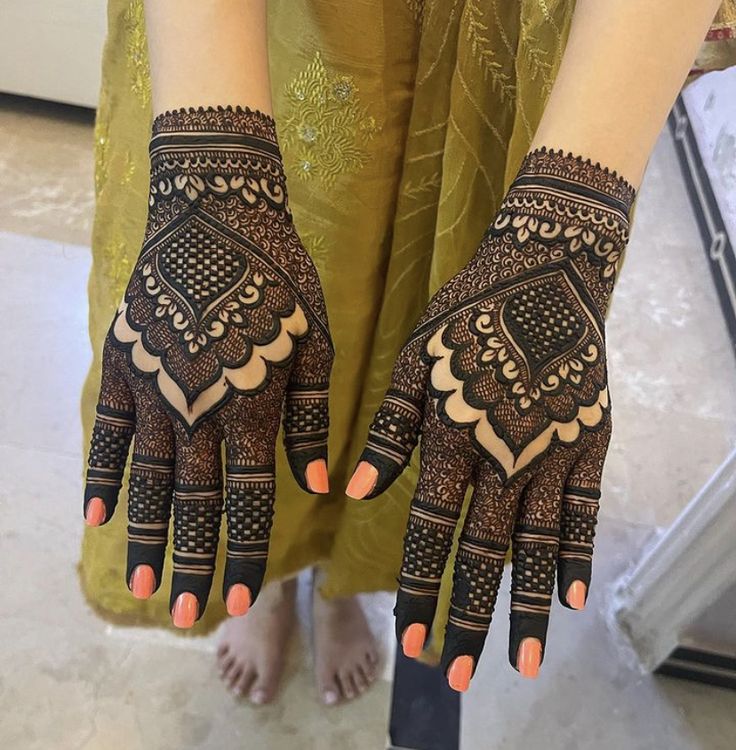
<point x="222" y="331"/>
<point x="510" y="358"/>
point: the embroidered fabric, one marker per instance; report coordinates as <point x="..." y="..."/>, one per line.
<point x="505" y="377"/>
<point x="222" y="330"/>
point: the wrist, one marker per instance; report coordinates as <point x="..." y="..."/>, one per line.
<point x="219" y="151"/>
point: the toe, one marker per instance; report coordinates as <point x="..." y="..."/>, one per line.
<point x="329" y="690"/>
<point x="360" y="679"/>
<point x="262" y="692"/>
<point x="226" y="664"/>
<point x="233" y="676"/>
<point x="244" y="681"/>
<point x="347" y="686"/>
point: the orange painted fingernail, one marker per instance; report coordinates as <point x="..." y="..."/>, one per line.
<point x="576" y="595"/>
<point x="95" y="514"/>
<point x="142" y="582"/>
<point x="238" y="600"/>
<point x="363" y="481"/>
<point x="529" y="657"/>
<point x="185" y="610"/>
<point x="412" y="642"/>
<point x="316" y="475"/>
<point x="460" y="672"/>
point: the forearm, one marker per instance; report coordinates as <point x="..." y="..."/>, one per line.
<point x="208" y="53"/>
<point x="623" y="66"/>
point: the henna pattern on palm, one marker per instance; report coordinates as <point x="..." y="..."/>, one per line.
<point x="505" y="378"/>
<point x="222" y="331"/>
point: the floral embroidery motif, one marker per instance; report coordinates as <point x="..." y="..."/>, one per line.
<point x="325" y="128"/>
<point x="137" y="52"/>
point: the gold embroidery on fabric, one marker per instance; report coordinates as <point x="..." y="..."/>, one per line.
<point x="325" y="127"/>
<point x="116" y="268"/>
<point x="482" y="48"/>
<point x="417" y="10"/>
<point x="137" y="52"/>
<point x="102" y="145"/>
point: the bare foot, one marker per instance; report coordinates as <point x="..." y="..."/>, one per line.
<point x="253" y="647"/>
<point x="345" y="653"/>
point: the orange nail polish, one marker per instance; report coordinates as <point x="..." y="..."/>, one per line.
<point x="412" y="642"/>
<point x="529" y="657"/>
<point x="142" y="582"/>
<point x="363" y="481"/>
<point x="185" y="610"/>
<point x="238" y="600"/>
<point x="460" y="672"/>
<point x="96" y="512"/>
<point x="316" y="475"/>
<point x="576" y="595"/>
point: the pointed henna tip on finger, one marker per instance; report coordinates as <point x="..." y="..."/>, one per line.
<point x="142" y="582"/>
<point x="576" y="595"/>
<point x="460" y="672"/>
<point x="529" y="658"/>
<point x="412" y="642"/>
<point x="186" y="609"/>
<point x="238" y="600"/>
<point x="363" y="481"/>
<point x="95" y="513"/>
<point x="317" y="477"/>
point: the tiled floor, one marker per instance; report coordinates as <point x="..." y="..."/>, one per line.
<point x="71" y="682"/>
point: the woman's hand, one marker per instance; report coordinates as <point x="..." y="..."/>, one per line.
<point x="505" y="377"/>
<point x="221" y="330"/>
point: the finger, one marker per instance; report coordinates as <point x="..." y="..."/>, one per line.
<point x="578" y="520"/>
<point x="197" y="515"/>
<point x="445" y="468"/>
<point x="306" y="414"/>
<point x="111" y="436"/>
<point x="478" y="571"/>
<point x="150" y="494"/>
<point x="534" y="557"/>
<point x="250" y="490"/>
<point x="394" y="432"/>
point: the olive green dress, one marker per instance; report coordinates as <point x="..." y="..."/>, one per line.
<point x="401" y="123"/>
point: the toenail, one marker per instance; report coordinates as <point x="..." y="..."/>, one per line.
<point x="329" y="698"/>
<point x="258" y="697"/>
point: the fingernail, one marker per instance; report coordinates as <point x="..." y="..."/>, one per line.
<point x="238" y="600"/>
<point x="460" y="672"/>
<point x="142" y="582"/>
<point x="329" y="698"/>
<point x="185" y="609"/>
<point x="258" y="697"/>
<point x="363" y="481"/>
<point x="95" y="514"/>
<point x="529" y="657"/>
<point x="316" y="475"/>
<point x="576" y="595"/>
<point x="412" y="642"/>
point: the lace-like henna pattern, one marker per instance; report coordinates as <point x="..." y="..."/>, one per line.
<point x="510" y="355"/>
<point x="221" y="333"/>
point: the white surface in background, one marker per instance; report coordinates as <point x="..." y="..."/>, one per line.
<point x="711" y="105"/>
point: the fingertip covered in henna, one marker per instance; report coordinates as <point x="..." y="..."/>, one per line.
<point x="460" y="673"/>
<point x="238" y="600"/>
<point x="142" y="582"/>
<point x="363" y="481"/>
<point x="529" y="658"/>
<point x="317" y="477"/>
<point x="185" y="611"/>
<point x="95" y="513"/>
<point x="576" y="595"/>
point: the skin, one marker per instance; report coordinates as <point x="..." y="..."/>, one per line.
<point x="622" y="69"/>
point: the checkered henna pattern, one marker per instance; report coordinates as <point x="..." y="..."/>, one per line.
<point x="505" y="378"/>
<point x="221" y="334"/>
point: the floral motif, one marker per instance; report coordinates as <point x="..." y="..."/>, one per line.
<point x="325" y="128"/>
<point x="137" y="57"/>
